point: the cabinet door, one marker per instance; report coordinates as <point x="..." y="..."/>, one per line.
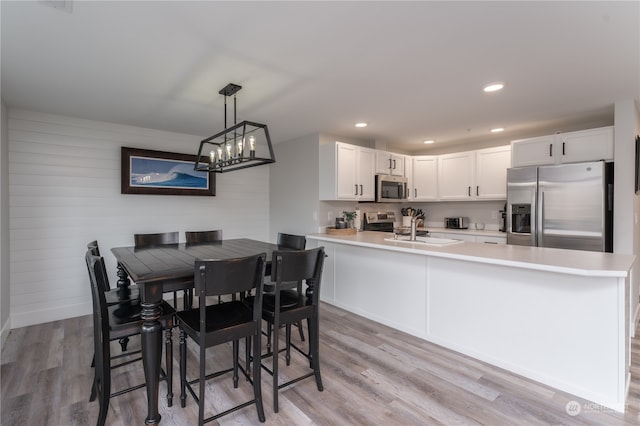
<point x="397" y="165"/>
<point x="408" y="172"/>
<point x="533" y="152"/>
<point x="585" y="145"/>
<point x="491" y="173"/>
<point x="346" y="186"/>
<point x="455" y="176"/>
<point x="383" y="162"/>
<point x="366" y="174"/>
<point x="425" y="178"/>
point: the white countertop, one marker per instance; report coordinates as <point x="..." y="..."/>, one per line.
<point x="470" y="231"/>
<point x="574" y="262"/>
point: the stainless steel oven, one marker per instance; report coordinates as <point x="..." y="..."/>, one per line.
<point x="391" y="189"/>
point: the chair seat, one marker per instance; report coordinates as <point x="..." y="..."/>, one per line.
<point x="219" y="317"/>
<point x="114" y="295"/>
<point x="288" y="299"/>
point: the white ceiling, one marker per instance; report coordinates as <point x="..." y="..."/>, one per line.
<point x="412" y="70"/>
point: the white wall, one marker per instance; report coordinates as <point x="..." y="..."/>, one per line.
<point x="64" y="182"/>
<point x="626" y="238"/>
<point x="5" y="323"/>
<point x="294" y="187"/>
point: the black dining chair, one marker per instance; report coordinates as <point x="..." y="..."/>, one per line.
<point x="290" y="268"/>
<point x="115" y="295"/>
<point x="159" y="239"/>
<point x="293" y="242"/>
<point x="115" y="322"/>
<point x="196" y="237"/>
<point x="229" y="321"/>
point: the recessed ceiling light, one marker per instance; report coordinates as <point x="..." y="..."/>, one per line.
<point x="429" y="141"/>
<point x="363" y="124"/>
<point x="493" y="87"/>
<point x="497" y="130"/>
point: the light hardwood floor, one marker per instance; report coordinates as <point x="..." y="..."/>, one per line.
<point x="372" y="375"/>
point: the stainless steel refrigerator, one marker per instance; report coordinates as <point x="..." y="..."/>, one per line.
<point x="564" y="206"/>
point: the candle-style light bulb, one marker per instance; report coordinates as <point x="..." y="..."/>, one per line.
<point x="240" y="147"/>
<point x="212" y="157"/>
<point x="252" y="146"/>
<point x="228" y="146"/>
<point x="219" y="154"/>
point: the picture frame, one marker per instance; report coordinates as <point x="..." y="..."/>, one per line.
<point x="145" y="171"/>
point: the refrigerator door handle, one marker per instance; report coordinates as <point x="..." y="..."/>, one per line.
<point x="610" y="197"/>
<point x="540" y="225"/>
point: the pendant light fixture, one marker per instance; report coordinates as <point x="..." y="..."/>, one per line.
<point x="243" y="145"/>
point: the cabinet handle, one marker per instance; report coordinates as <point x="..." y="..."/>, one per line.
<point x="490" y="242"/>
<point x="550" y="150"/>
<point x="477" y="191"/>
<point x="389" y="162"/>
<point x="415" y="192"/>
<point x="469" y="191"/>
<point x="563" y="148"/>
<point x="356" y="185"/>
<point x="361" y="190"/>
<point x="394" y="164"/>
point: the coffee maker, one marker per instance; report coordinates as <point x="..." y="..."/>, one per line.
<point x="503" y="219"/>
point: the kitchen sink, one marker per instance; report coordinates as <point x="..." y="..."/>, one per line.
<point x="425" y="240"/>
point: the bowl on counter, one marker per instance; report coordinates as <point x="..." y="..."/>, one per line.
<point x="480" y="226"/>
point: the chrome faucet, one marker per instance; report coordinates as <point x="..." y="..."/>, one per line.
<point x="414" y="226"/>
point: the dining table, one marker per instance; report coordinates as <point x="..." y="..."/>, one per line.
<point x="168" y="268"/>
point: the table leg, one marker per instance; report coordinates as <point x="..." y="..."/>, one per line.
<point x="124" y="292"/>
<point x="151" y="339"/>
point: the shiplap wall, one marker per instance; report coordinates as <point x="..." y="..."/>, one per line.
<point x="64" y="191"/>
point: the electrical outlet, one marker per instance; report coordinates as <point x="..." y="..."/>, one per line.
<point x="329" y="216"/>
<point x="494" y="214"/>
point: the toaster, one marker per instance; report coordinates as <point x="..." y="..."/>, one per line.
<point x="456" y="222"/>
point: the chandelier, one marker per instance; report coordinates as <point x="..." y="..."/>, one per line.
<point x="243" y="145"/>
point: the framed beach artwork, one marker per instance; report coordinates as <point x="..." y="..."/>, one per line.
<point x="146" y="171"/>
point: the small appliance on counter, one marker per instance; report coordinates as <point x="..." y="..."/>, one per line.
<point x="456" y="222"/>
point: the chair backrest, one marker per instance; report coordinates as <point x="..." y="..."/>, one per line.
<point x="228" y="276"/>
<point x="146" y="240"/>
<point x="93" y="248"/>
<point x="203" y="236"/>
<point x="290" y="241"/>
<point x="297" y="266"/>
<point x="97" y="278"/>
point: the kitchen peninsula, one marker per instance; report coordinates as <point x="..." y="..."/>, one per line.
<point x="561" y="317"/>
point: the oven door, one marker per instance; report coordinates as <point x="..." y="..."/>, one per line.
<point x="391" y="189"/>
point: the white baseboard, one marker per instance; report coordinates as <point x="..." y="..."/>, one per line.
<point x="24" y="319"/>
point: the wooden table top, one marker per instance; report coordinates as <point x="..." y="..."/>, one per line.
<point x="176" y="261"/>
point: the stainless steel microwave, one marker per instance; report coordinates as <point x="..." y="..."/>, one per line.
<point x="391" y="189"/>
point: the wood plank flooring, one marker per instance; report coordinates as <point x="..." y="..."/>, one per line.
<point x="372" y="375"/>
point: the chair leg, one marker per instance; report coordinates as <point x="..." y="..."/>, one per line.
<point x="183" y="368"/>
<point x="288" y="344"/>
<point x="268" y="337"/>
<point x="247" y="354"/>
<point x="314" y="348"/>
<point x="103" y="385"/>
<point x="187" y="300"/>
<point x="257" y="368"/>
<point x="235" y="363"/>
<point x="169" y="364"/>
<point x="276" y="332"/>
<point x="175" y="299"/>
<point x="299" y="324"/>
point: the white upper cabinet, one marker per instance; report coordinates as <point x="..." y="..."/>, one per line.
<point x="474" y="175"/>
<point x="455" y="175"/>
<point x="571" y="147"/>
<point x="424" y="180"/>
<point x="347" y="172"/>
<point x="388" y="163"/>
<point x="491" y="173"/>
